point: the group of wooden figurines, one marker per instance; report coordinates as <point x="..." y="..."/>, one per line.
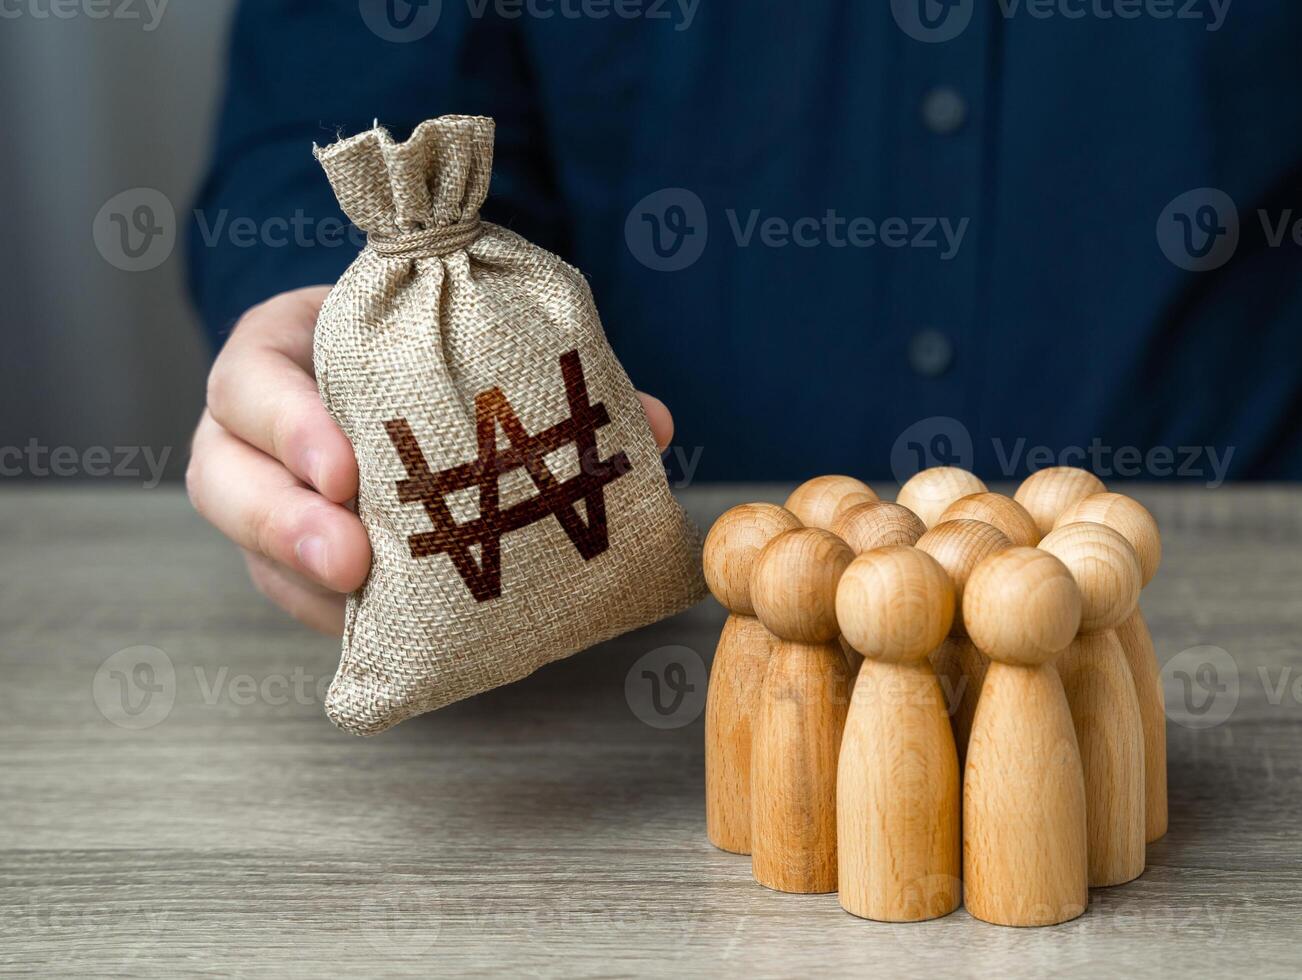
<point x="948" y="699"/>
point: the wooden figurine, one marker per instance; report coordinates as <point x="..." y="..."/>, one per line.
<point x="1024" y="817"/>
<point x="1132" y="521"/>
<point x="1101" y="695"/>
<point x="870" y="525"/>
<point x="817" y="502"/>
<point x="960" y="546"/>
<point x="898" y="784"/>
<point x="740" y="662"/>
<point x="1047" y="493"/>
<point x="797" y="731"/>
<point x="877" y="524"/>
<point x="929" y="492"/>
<point x="1002" y="512"/>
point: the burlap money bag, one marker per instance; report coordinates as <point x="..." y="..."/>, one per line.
<point x="515" y="500"/>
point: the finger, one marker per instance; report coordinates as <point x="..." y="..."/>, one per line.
<point x="261" y="390"/>
<point x="662" y="423"/>
<point x="260" y="506"/>
<point x="303" y="599"/>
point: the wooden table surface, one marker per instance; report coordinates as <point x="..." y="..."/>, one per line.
<point x="546" y="829"/>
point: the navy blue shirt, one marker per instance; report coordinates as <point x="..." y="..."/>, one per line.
<point x="843" y="236"/>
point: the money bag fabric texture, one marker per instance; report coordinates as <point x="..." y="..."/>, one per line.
<point x="517" y="508"/>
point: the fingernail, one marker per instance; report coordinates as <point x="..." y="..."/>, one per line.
<point x="312" y="467"/>
<point x="311" y="554"/>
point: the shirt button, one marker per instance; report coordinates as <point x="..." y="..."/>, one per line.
<point x="930" y="353"/>
<point x="944" y="110"/>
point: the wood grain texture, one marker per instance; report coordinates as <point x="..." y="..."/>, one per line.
<point x="1137" y="645"/>
<point x="817" y="502"/>
<point x="1024" y="821"/>
<point x="1101" y="693"/>
<point x="877" y="524"/>
<point x="960" y="546"/>
<point x="928" y="492"/>
<point x="999" y="511"/>
<point x="1047" y="493"/>
<point x="1132" y="521"/>
<point x="801" y="714"/>
<point x="741" y="660"/>
<point x="961" y="670"/>
<point x="897" y="788"/>
<point x="797" y="736"/>
<point x="1024" y="810"/>
<point x="543" y="829"/>
<point x="1109" y="733"/>
<point x="897" y="814"/>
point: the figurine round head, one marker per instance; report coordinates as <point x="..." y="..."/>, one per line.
<point x="733" y="546"/>
<point x="1127" y="517"/>
<point x="793" y="588"/>
<point x="877" y="524"/>
<point x="998" y="511"/>
<point x="817" y="502"/>
<point x="1022" y="606"/>
<point x="895" y="604"/>
<point x="1047" y="493"/>
<point x="1105" y="568"/>
<point x="929" y="492"/>
<point x="960" y="546"/>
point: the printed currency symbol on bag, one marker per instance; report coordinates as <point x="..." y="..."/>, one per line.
<point x="556" y="498"/>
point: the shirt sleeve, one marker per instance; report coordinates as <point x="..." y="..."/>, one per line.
<point x="308" y="71"/>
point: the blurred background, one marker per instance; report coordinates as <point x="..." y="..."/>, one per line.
<point x="93" y="356"/>
<point x="1085" y="260"/>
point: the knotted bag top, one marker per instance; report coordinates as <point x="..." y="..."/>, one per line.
<point x="418" y="198"/>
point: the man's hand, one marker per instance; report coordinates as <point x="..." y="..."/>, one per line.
<point x="271" y="470"/>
